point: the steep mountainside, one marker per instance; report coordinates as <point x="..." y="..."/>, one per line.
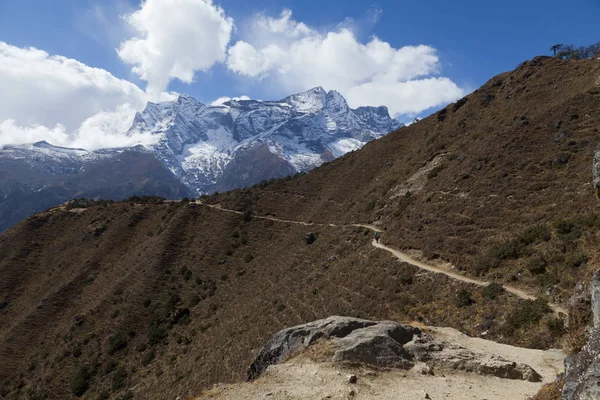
<point x="205" y="148"/>
<point x="159" y="301"/>
<point x="35" y="177"/>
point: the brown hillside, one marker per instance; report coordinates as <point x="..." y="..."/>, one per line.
<point x="156" y="301"/>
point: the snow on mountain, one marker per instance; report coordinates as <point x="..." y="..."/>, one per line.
<point x="239" y="142"/>
<point x="199" y="141"/>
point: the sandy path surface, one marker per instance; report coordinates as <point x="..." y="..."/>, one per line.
<point x="302" y="378"/>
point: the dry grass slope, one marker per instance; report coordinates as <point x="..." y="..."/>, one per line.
<point x="154" y="301"/>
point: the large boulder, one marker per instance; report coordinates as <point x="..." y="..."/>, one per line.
<point x="293" y="340"/>
<point x="384" y="344"/>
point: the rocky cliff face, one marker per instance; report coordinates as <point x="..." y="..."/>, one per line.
<point x="582" y="371"/>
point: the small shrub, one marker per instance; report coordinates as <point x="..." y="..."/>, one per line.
<point x="145" y="200"/>
<point x="534" y="234"/>
<point x="567" y="229"/>
<point x="118" y="379"/>
<point x="405" y="302"/>
<point x="148" y="357"/>
<point x="526" y="313"/>
<point x="441" y="115"/>
<point x="141" y="347"/>
<point x="370" y="206"/>
<point x="574" y="260"/>
<point x="556" y="326"/>
<point x="116" y="342"/>
<point x="247" y="215"/>
<point x="109" y="366"/>
<point x="459" y="104"/>
<point x="248" y="257"/>
<point x="537" y="265"/>
<point x="463" y="298"/>
<point x="492" y="291"/>
<point x="81" y="381"/>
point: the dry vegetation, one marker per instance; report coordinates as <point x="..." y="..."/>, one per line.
<point x="127" y="300"/>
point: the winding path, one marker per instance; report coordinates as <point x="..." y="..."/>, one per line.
<point x="404" y="257"/>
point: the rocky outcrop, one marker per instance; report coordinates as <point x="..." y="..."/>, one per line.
<point x="596" y="172"/>
<point x="582" y="371"/>
<point x="384" y="344"/>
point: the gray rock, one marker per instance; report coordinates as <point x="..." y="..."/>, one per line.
<point x="582" y="371"/>
<point x="378" y="345"/>
<point x="446" y="355"/>
<point x="383" y="344"/>
<point x="298" y="338"/>
<point x="596" y="170"/>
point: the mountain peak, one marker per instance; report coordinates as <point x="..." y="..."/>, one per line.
<point x="308" y="102"/>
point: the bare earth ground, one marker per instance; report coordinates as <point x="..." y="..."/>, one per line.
<point x="303" y="378"/>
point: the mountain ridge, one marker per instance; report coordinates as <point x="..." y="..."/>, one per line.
<point x="205" y="148"/>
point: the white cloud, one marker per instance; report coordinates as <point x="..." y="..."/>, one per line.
<point x="294" y="57"/>
<point x="48" y="90"/>
<point x="225" y="99"/>
<point x="175" y="39"/>
<point x="64" y="102"/>
<point x="103" y="130"/>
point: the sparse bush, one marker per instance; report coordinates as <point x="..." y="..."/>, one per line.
<point x="442" y="114"/>
<point x="116" y="342"/>
<point x="463" y="298"/>
<point x="492" y="291"/>
<point x="526" y="313"/>
<point x="145" y="200"/>
<point x="141" y="347"/>
<point x="148" y="357"/>
<point x="574" y="260"/>
<point x="405" y="302"/>
<point x="537" y="265"/>
<point x="512" y="249"/>
<point x="81" y="381"/>
<point x="459" y="104"/>
<point x="556" y="326"/>
<point x="118" y="379"/>
<point x="247" y="215"/>
<point x="370" y="206"/>
<point x="248" y="257"/>
<point x="156" y="334"/>
<point x="109" y="366"/>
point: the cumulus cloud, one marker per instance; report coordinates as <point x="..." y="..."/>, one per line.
<point x="44" y="89"/>
<point x="64" y="102"/>
<point x="296" y="57"/>
<point x="103" y="130"/>
<point x="175" y="39"/>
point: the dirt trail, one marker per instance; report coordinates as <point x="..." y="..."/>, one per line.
<point x="510" y="289"/>
<point x="403" y="256"/>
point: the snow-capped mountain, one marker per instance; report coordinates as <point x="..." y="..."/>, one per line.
<point x="199" y="149"/>
<point x="199" y="143"/>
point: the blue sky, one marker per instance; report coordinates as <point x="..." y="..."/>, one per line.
<point x="471" y="41"/>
